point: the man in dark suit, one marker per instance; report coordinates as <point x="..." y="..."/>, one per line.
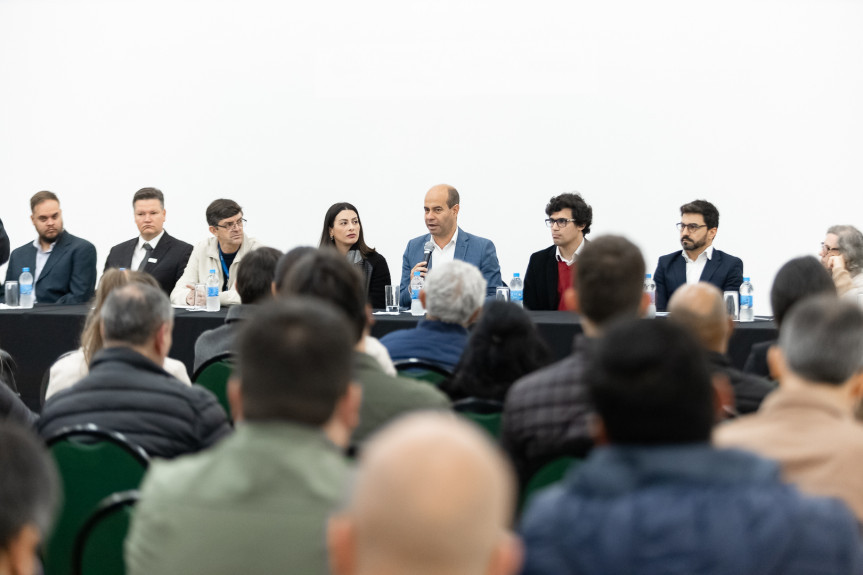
<point x="155" y="251"/>
<point x="698" y="261"/>
<point x="449" y="242"/>
<point x="4" y="245"/>
<point x="548" y="272"/>
<point x="63" y="265"/>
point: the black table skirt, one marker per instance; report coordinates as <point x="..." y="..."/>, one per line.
<point x="37" y="337"/>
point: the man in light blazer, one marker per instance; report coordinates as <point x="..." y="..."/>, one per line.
<point x="155" y="251"/>
<point x="449" y="242"/>
<point x="63" y="265"/>
<point x="698" y="261"/>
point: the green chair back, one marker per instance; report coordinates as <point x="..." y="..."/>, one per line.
<point x="547" y="475"/>
<point x="99" y="545"/>
<point x="214" y="376"/>
<point x="93" y="463"/>
<point x="422" y="370"/>
<point x="486" y="413"/>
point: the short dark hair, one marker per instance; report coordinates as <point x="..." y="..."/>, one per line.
<point x="29" y="485"/>
<point x="40" y="197"/>
<point x="822" y="339"/>
<point x="503" y="346"/>
<point x="255" y="274"/>
<point x="608" y="277"/>
<point x="650" y="384"/>
<point x="707" y="210"/>
<point x="325" y="274"/>
<point x="294" y="361"/>
<point x="133" y="313"/>
<point x="286" y="263"/>
<point x="330" y="221"/>
<point x="149" y="194"/>
<point x="797" y="279"/>
<point x="220" y="209"/>
<point x="581" y="212"/>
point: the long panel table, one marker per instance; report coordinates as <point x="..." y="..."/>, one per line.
<point x="37" y="337"/>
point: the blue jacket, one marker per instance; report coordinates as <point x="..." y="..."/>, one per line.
<point x="468" y="247"/>
<point x="688" y="509"/>
<point x="722" y="270"/>
<point x="69" y="275"/>
<point x="432" y="340"/>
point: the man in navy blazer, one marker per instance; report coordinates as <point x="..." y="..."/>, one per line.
<point x="166" y="257"/>
<point x="698" y="261"/>
<point x="63" y="265"/>
<point x="449" y="242"/>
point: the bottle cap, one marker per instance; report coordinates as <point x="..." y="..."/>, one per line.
<point x="746" y="278"/>
<point x="212" y="271"/>
<point x="647" y="276"/>
<point x="416" y="274"/>
<point x="515" y="275"/>
<point x="26" y="269"/>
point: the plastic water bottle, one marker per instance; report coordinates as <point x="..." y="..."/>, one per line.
<point x="25" y="289"/>
<point x="650" y="290"/>
<point x="213" y="285"/>
<point x="747" y="311"/>
<point x="516" y="290"/>
<point x="416" y="286"/>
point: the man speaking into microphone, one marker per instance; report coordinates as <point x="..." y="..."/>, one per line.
<point x="446" y="242"/>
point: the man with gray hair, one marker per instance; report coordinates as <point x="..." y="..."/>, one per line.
<point x="127" y="390"/>
<point x="842" y="255"/>
<point x="453" y="296"/>
<point x="808" y="424"/>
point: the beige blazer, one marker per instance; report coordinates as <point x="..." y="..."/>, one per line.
<point x="205" y="257"/>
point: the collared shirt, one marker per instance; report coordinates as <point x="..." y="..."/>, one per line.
<point x="696" y="266"/>
<point x="574" y="257"/>
<point x="446" y="253"/>
<point x="140" y="253"/>
<point x="41" y="257"/>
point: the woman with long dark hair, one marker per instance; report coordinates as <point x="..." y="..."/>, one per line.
<point x="344" y="232"/>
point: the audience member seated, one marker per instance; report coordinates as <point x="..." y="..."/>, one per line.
<point x="701" y="309"/>
<point x="154" y="251"/>
<point x="796" y="280"/>
<point x="29" y="493"/>
<point x="127" y="391"/>
<point x="71" y="367"/>
<point x="452" y="296"/>
<point x="548" y="414"/>
<point x="63" y="266"/>
<point x="326" y="275"/>
<point x="842" y="254"/>
<point x="431" y="496"/>
<point x="656" y="497"/>
<point x="503" y="346"/>
<point x="258" y="502"/>
<point x="808" y="424"/>
<point x="343" y="230"/>
<point x="223" y="252"/>
<point x="11" y="406"/>
<point x="254" y="285"/>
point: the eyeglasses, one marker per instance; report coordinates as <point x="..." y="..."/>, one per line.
<point x="561" y="222"/>
<point x="690" y="227"/>
<point x="827" y="249"/>
<point x="237" y="225"/>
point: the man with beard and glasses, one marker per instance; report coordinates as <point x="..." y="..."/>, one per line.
<point x="698" y="260"/>
<point x="63" y="265"/>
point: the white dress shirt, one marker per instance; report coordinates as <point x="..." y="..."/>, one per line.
<point x="41" y="258"/>
<point x="574" y="257"/>
<point x="696" y="266"/>
<point x="446" y="253"/>
<point x="140" y="253"/>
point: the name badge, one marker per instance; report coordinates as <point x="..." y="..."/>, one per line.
<point x="152" y="260"/>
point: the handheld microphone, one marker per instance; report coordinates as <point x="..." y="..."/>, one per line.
<point x="428" y="248"/>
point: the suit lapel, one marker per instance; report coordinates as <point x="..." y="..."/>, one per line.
<point x="56" y="253"/>
<point x="678" y="271"/>
<point x="460" y="245"/>
<point x="711" y="266"/>
<point x="158" y="254"/>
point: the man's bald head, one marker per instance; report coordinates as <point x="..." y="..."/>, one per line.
<point x="432" y="495"/>
<point x="700" y="308"/>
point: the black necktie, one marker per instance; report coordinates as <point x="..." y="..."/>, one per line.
<point x="149" y="249"/>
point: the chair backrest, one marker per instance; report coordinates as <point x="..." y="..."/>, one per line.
<point x="422" y="370"/>
<point x="213" y="375"/>
<point x="545" y="476"/>
<point x="93" y="464"/>
<point x="487" y="413"/>
<point x="99" y="544"/>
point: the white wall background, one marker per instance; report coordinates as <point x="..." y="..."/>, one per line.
<point x="288" y="107"/>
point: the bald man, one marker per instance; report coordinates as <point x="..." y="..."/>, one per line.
<point x="700" y="308"/>
<point x="446" y="242"/>
<point x="432" y="496"/>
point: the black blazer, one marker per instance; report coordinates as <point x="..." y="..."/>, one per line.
<point x="4" y="245"/>
<point x="69" y="275"/>
<point x="171" y="257"/>
<point x="540" y="280"/>
<point x="722" y="270"/>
